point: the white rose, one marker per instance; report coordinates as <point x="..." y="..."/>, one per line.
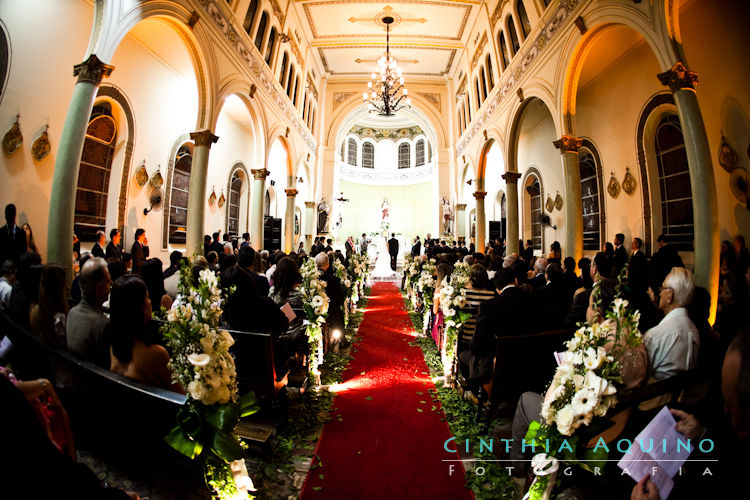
<point x="196" y="390"/>
<point x="564" y="420"/>
<point x="199" y="359"/>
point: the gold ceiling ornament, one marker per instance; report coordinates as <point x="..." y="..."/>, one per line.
<point x="558" y="201"/>
<point x="381" y="18"/>
<point x="613" y="188"/>
<point x="157" y="180"/>
<point x="549" y="205"/>
<point x="386" y="93"/>
<point x="141" y="174"/>
<point x="222" y="200"/>
<point x="628" y="182"/>
<point x="212" y="197"/>
<point x="727" y="156"/>
<point x="41" y="147"/>
<point x="13" y="138"/>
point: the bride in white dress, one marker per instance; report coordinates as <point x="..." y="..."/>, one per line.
<point x="383" y="262"/>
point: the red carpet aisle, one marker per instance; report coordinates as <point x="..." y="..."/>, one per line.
<point x="383" y="441"/>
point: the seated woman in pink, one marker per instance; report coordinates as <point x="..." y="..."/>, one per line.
<point x="132" y="353"/>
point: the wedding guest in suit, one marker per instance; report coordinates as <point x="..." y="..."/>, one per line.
<point x="139" y="250"/>
<point x="12" y="238"/>
<point x="349" y="246"/>
<point x="333" y="290"/>
<point x="528" y="253"/>
<point x="571" y="280"/>
<point x="98" y="249"/>
<point x="637" y="267"/>
<point x="328" y="247"/>
<point x="363" y="244"/>
<point x="133" y="355"/>
<point x="662" y="262"/>
<point x="620" y="255"/>
<point x="113" y="248"/>
<point x="85" y="328"/>
<point x="416" y="247"/>
<point x="393" y="250"/>
<point x="553" y="299"/>
<point x="540" y="266"/>
<point x="206" y="244"/>
<point x="216" y="245"/>
<point x="601" y="268"/>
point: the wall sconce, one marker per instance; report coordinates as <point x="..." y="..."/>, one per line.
<point x="284" y="38"/>
<point x="300" y="180"/>
<point x="141" y="175"/>
<point x="212" y="197"/>
<point x="222" y="200"/>
<point x="470" y="181"/>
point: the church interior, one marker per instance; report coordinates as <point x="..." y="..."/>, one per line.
<point x="271" y="133"/>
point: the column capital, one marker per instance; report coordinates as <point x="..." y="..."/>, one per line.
<point x="460" y="206"/>
<point x="309" y="204"/>
<point x="511" y="177"/>
<point x="679" y="77"/>
<point x="291" y="192"/>
<point x="260" y="174"/>
<point x="479" y="195"/>
<point x="203" y="138"/>
<point x="92" y="70"/>
<point x="568" y="144"/>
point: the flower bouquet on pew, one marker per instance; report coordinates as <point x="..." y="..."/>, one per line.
<point x="346" y="285"/>
<point x="358" y="270"/>
<point x="201" y="362"/>
<point x="426" y="285"/>
<point x="452" y="301"/>
<point x="316" y="302"/>
<point x="583" y="390"/>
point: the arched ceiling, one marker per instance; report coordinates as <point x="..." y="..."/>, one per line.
<point x="348" y="37"/>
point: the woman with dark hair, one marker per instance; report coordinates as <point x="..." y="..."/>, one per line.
<point x="571" y="280"/>
<point x="132" y="353"/>
<point x="476" y="293"/>
<point x="555" y="252"/>
<point x="151" y="273"/>
<point x="287" y="279"/>
<point x="727" y="258"/>
<point x="609" y="249"/>
<point x="584" y="264"/>
<point x="48" y="315"/>
<point x="30" y="243"/>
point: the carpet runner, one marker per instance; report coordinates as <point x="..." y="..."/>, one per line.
<point x="384" y="440"/>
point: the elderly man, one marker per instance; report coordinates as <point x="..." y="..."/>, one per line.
<point x="86" y="324"/>
<point x="540" y="267"/>
<point x="98" y="249"/>
<point x="673" y="344"/>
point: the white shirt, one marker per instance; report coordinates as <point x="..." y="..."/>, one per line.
<point x="5" y="289"/>
<point x="672" y="345"/>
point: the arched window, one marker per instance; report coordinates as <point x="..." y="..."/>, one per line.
<point x="524" y="18"/>
<point x="368" y="155"/>
<point x="290" y="82"/>
<point x="267" y="204"/>
<point x="429" y="152"/>
<point x="503" y="51"/>
<point x="590" y="201"/>
<point x="479" y="92"/>
<point x="459" y="122"/>
<point x="247" y="25"/>
<point x="284" y="63"/>
<point x="468" y="110"/>
<point x="178" y="197"/>
<point x="514" y="45"/>
<point x="93" y="174"/>
<point x="233" y="207"/>
<point x="270" y="44"/>
<point x="404" y="155"/>
<point x="351" y="152"/>
<point x="342" y="151"/>
<point x="484" y="85"/>
<point x="261" y="33"/>
<point x="420" y="153"/>
<point x="312" y="122"/>
<point x="304" y="107"/>
<point x="4" y="61"/>
<point x="294" y="92"/>
<point x="534" y="202"/>
<point x="490" y="76"/>
<point x="674" y="184"/>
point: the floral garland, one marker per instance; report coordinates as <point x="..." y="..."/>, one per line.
<point x="452" y="303"/>
<point x="584" y="388"/>
<point x="426" y="285"/>
<point x="201" y="362"/>
<point x="316" y="303"/>
<point x="411" y="276"/>
<point x="359" y="270"/>
<point x="346" y="285"/>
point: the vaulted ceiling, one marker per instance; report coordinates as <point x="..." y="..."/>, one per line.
<point x="348" y="36"/>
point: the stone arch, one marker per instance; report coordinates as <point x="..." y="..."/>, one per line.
<point x="514" y="127"/>
<point x="589" y="145"/>
<point x="288" y="147"/>
<point x="5" y="70"/>
<point x="118" y="96"/>
<point x="241" y="89"/>
<point x="179" y="141"/>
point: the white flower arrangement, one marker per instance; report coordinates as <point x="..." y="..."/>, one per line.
<point x="316" y="302"/>
<point x="452" y="301"/>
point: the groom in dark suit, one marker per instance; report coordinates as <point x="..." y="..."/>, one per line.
<point x="393" y="250"/>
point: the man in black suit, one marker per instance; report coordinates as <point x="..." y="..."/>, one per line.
<point x="540" y="266"/>
<point x="637" y="267"/>
<point x="601" y="268"/>
<point x="662" y="262"/>
<point x="98" y="249"/>
<point x="12" y="237"/>
<point x="139" y="250"/>
<point x="328" y="247"/>
<point x="363" y="244"/>
<point x="621" y="255"/>
<point x="216" y="245"/>
<point x="416" y="248"/>
<point x="246" y="260"/>
<point x="113" y="249"/>
<point x="553" y="299"/>
<point x="393" y="250"/>
<point x="503" y="315"/>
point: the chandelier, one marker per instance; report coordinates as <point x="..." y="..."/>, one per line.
<point x="386" y="92"/>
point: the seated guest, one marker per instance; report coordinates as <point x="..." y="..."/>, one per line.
<point x="152" y="275"/>
<point x="48" y="315"/>
<point x="673" y="344"/>
<point x="127" y="262"/>
<point x="98" y="249"/>
<point x="213" y="261"/>
<point x="113" y="248"/>
<point x="584" y="264"/>
<point x="570" y="279"/>
<point x="174" y="264"/>
<point x="476" y="293"/>
<point x="206" y="244"/>
<point x="334" y="292"/>
<point x="246" y="260"/>
<point x="287" y="279"/>
<point x="540" y="267"/>
<point x="501" y="316"/>
<point x="528" y="252"/>
<point x="116" y="268"/>
<point x="132" y="353"/>
<point x="85" y="328"/>
<point x="25" y="288"/>
<point x="75" y="287"/>
<point x="553" y="299"/>
<point x="601" y="268"/>
<point x="7" y="277"/>
<point x="171" y="284"/>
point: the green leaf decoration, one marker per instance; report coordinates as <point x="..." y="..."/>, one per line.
<point x="321" y="476"/>
<point x="317" y="488"/>
<point x="419" y="410"/>
<point x="369" y="398"/>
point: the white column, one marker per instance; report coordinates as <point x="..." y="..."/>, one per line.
<point x="256" y="207"/>
<point x="289" y="220"/>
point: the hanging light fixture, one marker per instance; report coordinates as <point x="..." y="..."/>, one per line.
<point x="386" y="92"/>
